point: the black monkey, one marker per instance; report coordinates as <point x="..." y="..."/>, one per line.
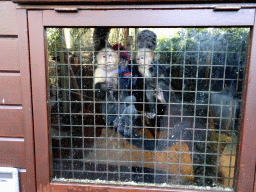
<point x="148" y="78"/>
<point x="156" y="81"/>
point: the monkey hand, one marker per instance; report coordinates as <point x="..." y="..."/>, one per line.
<point x="160" y="95"/>
<point x="150" y="115"/>
<point x="126" y="120"/>
<point x="99" y="92"/>
<point x="107" y="86"/>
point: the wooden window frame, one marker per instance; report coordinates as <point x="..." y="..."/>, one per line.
<point x="38" y="20"/>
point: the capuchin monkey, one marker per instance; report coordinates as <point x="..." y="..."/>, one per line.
<point x="154" y="78"/>
<point x="145" y="58"/>
<point x="106" y="73"/>
<point x="112" y="88"/>
<point x="149" y="77"/>
<point x="156" y="81"/>
<point x="105" y="83"/>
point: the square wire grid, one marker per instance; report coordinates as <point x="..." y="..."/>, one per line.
<point x="206" y="73"/>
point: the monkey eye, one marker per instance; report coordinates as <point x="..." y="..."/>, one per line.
<point x="104" y="56"/>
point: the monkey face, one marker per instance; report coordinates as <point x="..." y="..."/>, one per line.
<point x="107" y="58"/>
<point x="144" y="59"/>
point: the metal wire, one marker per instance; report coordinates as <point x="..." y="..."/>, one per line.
<point x="84" y="146"/>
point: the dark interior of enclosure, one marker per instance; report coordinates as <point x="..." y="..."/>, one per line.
<point x="176" y="124"/>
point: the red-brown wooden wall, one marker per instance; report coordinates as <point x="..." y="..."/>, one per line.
<point x="16" y="143"/>
<point x="16" y="128"/>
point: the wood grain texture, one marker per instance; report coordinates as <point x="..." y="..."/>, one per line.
<point x="9" y="54"/>
<point x="247" y="149"/>
<point x="74" y="187"/>
<point x="11" y="122"/>
<point x="8" y="18"/>
<point x="12" y="153"/>
<point x="29" y="184"/>
<point x="38" y="71"/>
<point x="10" y="83"/>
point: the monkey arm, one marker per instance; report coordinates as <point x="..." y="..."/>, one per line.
<point x="100" y="91"/>
<point x="102" y="88"/>
<point x="125" y="122"/>
<point x="125" y="125"/>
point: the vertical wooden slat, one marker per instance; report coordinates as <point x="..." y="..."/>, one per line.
<point x="247" y="152"/>
<point x="30" y="184"/>
<point x="23" y="181"/>
<point x="38" y="74"/>
<point x="255" y="183"/>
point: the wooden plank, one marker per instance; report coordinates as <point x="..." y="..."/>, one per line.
<point x="9" y="54"/>
<point x="150" y="6"/>
<point x="122" y="1"/>
<point x="23" y="179"/>
<point x="30" y="182"/>
<point x="38" y="73"/>
<point x="8" y="18"/>
<point x="140" y="18"/>
<point x="247" y="149"/>
<point x="255" y="183"/>
<point x="10" y="89"/>
<point x="12" y="153"/>
<point x="11" y="122"/>
<point x="74" y="187"/>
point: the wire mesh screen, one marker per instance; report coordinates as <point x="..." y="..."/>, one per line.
<point x="154" y="107"/>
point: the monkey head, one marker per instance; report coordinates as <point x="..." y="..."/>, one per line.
<point x="146" y="39"/>
<point x="107" y="58"/>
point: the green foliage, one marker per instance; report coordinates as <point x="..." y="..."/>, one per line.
<point x="56" y="39"/>
<point x="53" y="40"/>
<point x="202" y="39"/>
<point x="186" y="39"/>
<point x="77" y="35"/>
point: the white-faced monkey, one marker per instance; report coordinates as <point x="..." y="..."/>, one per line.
<point x="112" y="84"/>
